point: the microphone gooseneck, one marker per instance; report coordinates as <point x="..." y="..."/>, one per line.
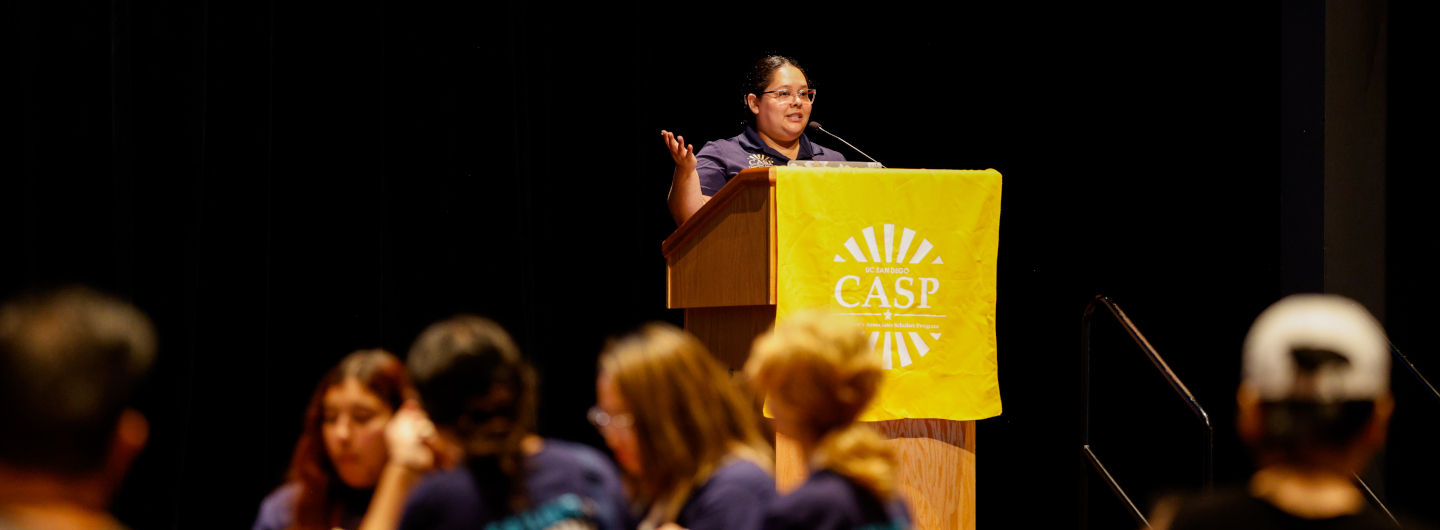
<point x="815" y="125"/>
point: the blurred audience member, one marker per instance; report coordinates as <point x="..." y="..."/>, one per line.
<point x="70" y="362"/>
<point x="342" y="452"/>
<point x="818" y="373"/>
<point x="1314" y="402"/>
<point x="689" y="440"/>
<point x="480" y="394"/>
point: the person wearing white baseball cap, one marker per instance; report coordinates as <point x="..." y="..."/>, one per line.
<point x="1314" y="403"/>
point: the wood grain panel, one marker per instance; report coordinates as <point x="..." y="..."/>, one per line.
<point x="937" y="470"/>
<point x="727" y="263"/>
<point x="728" y="332"/>
<point x="936" y="473"/>
<point x="762" y="176"/>
<point x="774" y="245"/>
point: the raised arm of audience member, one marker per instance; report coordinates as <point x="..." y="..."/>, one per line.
<point x="818" y="374"/>
<point x="415" y="450"/>
<point x="688" y="439"/>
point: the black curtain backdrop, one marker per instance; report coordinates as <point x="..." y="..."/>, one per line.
<point x="1412" y="286"/>
<point x="278" y="184"/>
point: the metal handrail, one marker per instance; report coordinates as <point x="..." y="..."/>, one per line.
<point x="1115" y="488"/>
<point x="1374" y="499"/>
<point x="1405" y="361"/>
<point x="1090" y="460"/>
<point x="1409" y="366"/>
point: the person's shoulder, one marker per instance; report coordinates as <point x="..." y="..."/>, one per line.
<point x="566" y="466"/>
<point x="827" y="154"/>
<point x="1233" y="507"/>
<point x="283" y="496"/>
<point x="737" y="483"/>
<point x="1221" y="507"/>
<point x="822" y="485"/>
<point x="733" y="140"/>
<point x="817" y="497"/>
<point x="277" y="511"/>
<point x="446" y="484"/>
<point x="572" y="454"/>
<point x="829" y="501"/>
<point x="562" y="468"/>
<point x="443" y="499"/>
<point x="733" y="498"/>
<point x="746" y="475"/>
<point x="731" y="144"/>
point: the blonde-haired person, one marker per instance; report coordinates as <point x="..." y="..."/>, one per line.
<point x="686" y="436"/>
<point x="818" y="373"/>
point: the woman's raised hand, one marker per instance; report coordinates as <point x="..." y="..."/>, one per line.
<point x="410" y="437"/>
<point x="682" y="154"/>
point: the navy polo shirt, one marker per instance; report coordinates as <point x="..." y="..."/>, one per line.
<point x="733" y="499"/>
<point x="720" y="160"/>
<point x="828" y="501"/>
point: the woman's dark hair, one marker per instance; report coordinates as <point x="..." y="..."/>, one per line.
<point x="319" y="505"/>
<point x="758" y="77"/>
<point x="469" y="374"/>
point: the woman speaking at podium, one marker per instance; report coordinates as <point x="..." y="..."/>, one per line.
<point x="778" y="99"/>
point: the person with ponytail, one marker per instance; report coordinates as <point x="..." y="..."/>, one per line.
<point x="818" y="374"/>
<point x="689" y="440"/>
<point x="480" y="395"/>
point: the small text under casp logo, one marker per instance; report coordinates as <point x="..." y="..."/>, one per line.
<point x="904" y="296"/>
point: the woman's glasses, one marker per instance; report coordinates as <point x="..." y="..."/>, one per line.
<point x="603" y="420"/>
<point x="785" y="95"/>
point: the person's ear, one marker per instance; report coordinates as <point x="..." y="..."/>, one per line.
<point x="1380" y="420"/>
<point x="131" y="433"/>
<point x="750" y="101"/>
<point x="1249" y="420"/>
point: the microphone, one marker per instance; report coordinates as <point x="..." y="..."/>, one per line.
<point x="815" y="125"/>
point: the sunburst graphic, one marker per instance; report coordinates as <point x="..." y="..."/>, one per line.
<point x="904" y="346"/>
<point x="907" y="236"/>
<point x="895" y="345"/>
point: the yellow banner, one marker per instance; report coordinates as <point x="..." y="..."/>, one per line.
<point x="911" y="254"/>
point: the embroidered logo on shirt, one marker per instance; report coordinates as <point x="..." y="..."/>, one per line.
<point x="761" y="160"/>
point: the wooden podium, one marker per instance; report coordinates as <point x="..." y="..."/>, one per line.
<point x="720" y="266"/>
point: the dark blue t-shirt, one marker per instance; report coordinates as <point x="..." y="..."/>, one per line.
<point x="734" y="498"/>
<point x="277" y="511"/>
<point x="829" y="501"/>
<point x="567" y="483"/>
<point x="719" y="161"/>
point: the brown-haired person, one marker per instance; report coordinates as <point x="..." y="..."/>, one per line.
<point x="70" y="362"/>
<point x="342" y="453"/>
<point x="480" y="394"/>
<point x="818" y="374"/>
<point x="776" y="97"/>
<point x="688" y="439"/>
<point x="1314" y="402"/>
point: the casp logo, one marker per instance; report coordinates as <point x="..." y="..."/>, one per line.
<point x="905" y="294"/>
